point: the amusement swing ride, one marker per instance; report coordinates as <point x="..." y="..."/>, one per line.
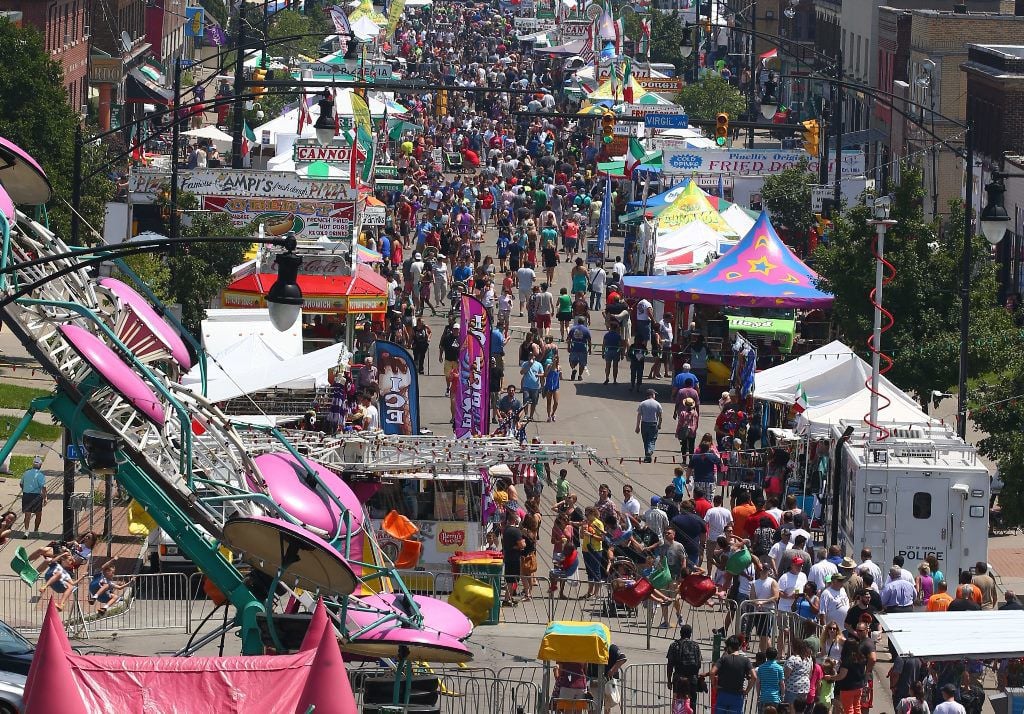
<point x="289" y="505"/>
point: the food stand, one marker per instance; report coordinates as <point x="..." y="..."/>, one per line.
<point x="339" y="299"/>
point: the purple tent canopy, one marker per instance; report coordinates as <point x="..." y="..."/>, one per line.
<point x="759" y="271"/>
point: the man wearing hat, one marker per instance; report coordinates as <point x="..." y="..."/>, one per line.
<point x="854" y="582"/>
<point x="33" y="493"/>
<point x="833" y="604"/>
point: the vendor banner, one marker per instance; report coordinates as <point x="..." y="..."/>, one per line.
<point x="399" y="389"/>
<point x="752" y="162"/>
<point x="306" y="219"/>
<point x="472" y="388"/>
<point x="242" y="183"/>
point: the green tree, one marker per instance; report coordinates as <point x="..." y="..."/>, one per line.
<point x="666" y="36"/>
<point x="787" y="195"/>
<point x="997" y="408"/>
<point x="35" y="114"/>
<point x="923" y="296"/>
<point x="711" y="95"/>
<point x="196" y="273"/>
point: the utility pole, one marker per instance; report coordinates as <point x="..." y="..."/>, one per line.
<point x="175" y="138"/>
<point x="837" y="119"/>
<point x="753" y="69"/>
<point x="237" y="120"/>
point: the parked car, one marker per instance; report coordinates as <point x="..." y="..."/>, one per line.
<point x="15" y="652"/>
<point x="12" y="692"/>
<point x="164" y="555"/>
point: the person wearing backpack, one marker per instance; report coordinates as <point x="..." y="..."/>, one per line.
<point x="580" y="343"/>
<point x="684" y="662"/>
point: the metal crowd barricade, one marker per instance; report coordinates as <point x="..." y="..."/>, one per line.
<point x="158" y="601"/>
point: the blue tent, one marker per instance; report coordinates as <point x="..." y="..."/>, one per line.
<point x="759" y="271"/>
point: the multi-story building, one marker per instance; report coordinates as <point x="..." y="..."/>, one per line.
<point x="165" y="30"/>
<point x="995" y="107"/>
<point x="938" y="46"/>
<point x="65" y="28"/>
<point x="119" y="48"/>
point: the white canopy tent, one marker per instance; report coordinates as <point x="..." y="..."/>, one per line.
<point x="737" y="218"/>
<point x="286" y="124"/>
<point x="253" y="365"/>
<point x="988" y="634"/>
<point x="902" y="411"/>
<point x="833" y="379"/>
<point x="221" y="140"/>
<point x="827" y="374"/>
<point x="691" y="234"/>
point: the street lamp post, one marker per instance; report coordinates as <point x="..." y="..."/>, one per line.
<point x="881" y="221"/>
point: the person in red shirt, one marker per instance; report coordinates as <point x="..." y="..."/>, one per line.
<point x="754" y="521"/>
<point x="701" y="504"/>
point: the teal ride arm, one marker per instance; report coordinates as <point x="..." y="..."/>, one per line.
<point x="179" y="526"/>
<point x="35" y="406"/>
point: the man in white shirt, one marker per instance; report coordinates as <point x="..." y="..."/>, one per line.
<point x="833" y="602"/>
<point x="525" y="276"/>
<point x="949" y="704"/>
<point x="869" y="565"/>
<point x="791" y="584"/>
<point x="717" y="518"/>
<point x="656" y="519"/>
<point x="630" y="504"/>
<point x="644" y="318"/>
<point x="822" y="570"/>
<point x="779" y="548"/>
<point x="619" y="267"/>
<point x="371" y="417"/>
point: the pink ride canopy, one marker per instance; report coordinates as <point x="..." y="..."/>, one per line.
<point x="61" y="680"/>
<point x="759" y="271"/>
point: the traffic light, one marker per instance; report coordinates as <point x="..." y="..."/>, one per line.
<point x="811" y="134"/>
<point x="721" y="129"/>
<point x="258" y="76"/>
<point x="607" y="127"/>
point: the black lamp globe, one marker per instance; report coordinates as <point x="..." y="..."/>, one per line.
<point x="285" y="297"/>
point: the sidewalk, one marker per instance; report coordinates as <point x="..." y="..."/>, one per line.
<point x="18" y="367"/>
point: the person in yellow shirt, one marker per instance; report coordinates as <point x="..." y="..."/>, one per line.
<point x="592" y="540"/>
<point x="939" y="602"/>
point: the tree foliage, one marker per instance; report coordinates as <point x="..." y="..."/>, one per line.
<point x="198" y="272"/>
<point x="711" y="95"/>
<point x="787" y="196"/>
<point x="35" y="114"/>
<point x="666" y="36"/>
<point x="923" y="297"/>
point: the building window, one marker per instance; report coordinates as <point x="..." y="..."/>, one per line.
<point x="922" y="505"/>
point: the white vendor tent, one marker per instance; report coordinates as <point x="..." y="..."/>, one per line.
<point x="689" y="234"/>
<point x="827" y="374"/>
<point x="246" y="354"/>
<point x="252" y="365"/>
<point x="988" y="634"/>
<point x="739" y="219"/>
<point x="221" y="139"/>
<point x="833" y="379"/>
<point x="287" y="123"/>
<point x="818" y="421"/>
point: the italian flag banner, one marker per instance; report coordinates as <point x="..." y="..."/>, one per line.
<point x="634" y="156"/>
<point x="800" y="402"/>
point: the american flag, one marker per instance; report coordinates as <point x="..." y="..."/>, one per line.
<point x="304" y="117"/>
<point x="587" y="53"/>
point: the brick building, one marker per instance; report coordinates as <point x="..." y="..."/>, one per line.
<point x="995" y="105"/>
<point x="165" y="30"/>
<point x="938" y="46"/>
<point x="65" y="28"/>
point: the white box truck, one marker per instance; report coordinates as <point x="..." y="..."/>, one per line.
<point x="921" y="491"/>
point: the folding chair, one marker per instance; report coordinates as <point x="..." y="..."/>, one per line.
<point x="21" y="565"/>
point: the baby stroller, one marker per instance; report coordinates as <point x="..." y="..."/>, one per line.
<point x="453" y="162"/>
<point x="627" y="589"/>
